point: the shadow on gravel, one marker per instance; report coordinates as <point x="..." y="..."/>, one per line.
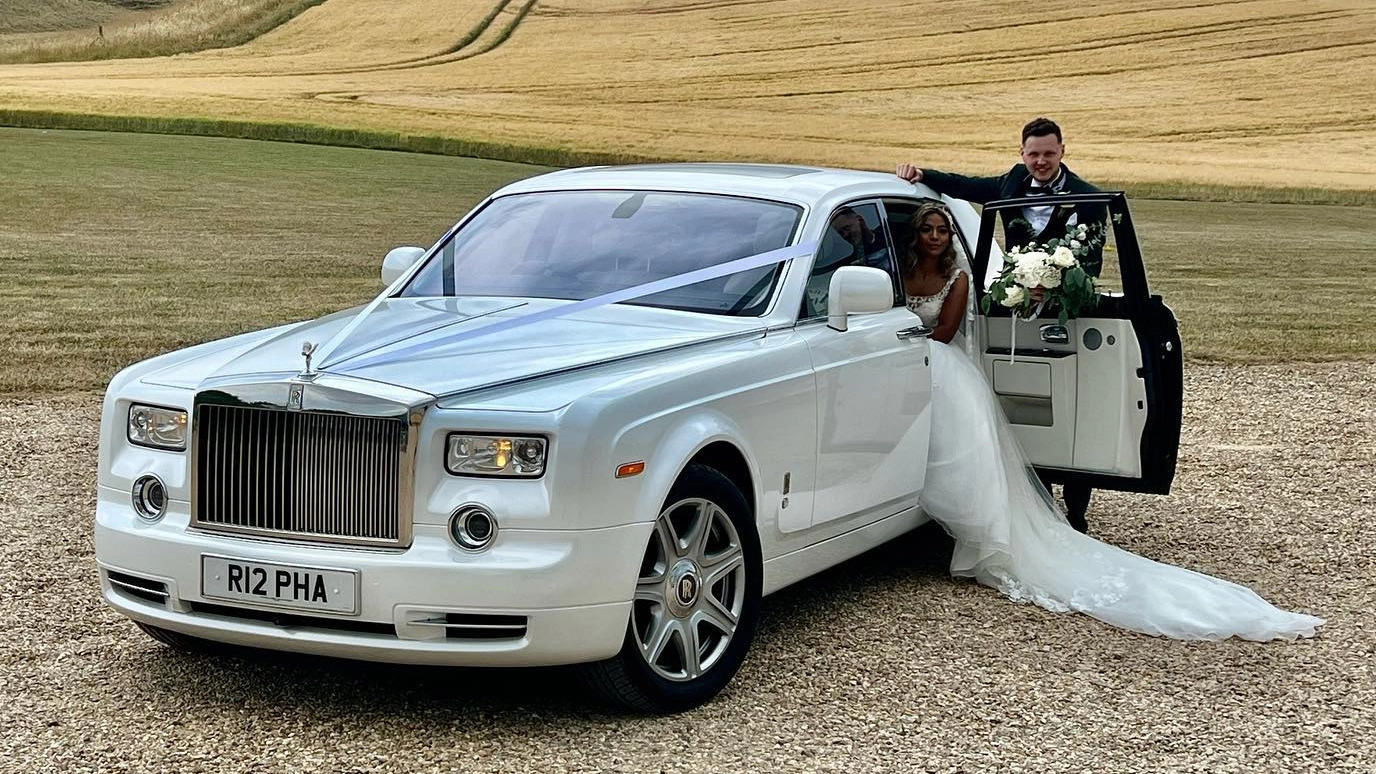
<point x="249" y="686"/>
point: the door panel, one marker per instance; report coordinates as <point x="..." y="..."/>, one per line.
<point x="873" y="415"/>
<point x="1110" y="409"/>
<point x="1112" y="418"/>
<point x="1077" y="406"/>
<point x="1037" y="389"/>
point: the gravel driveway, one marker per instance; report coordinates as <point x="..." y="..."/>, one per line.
<point x="881" y="665"/>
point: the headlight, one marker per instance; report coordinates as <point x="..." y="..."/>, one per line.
<point x="161" y="428"/>
<point x="495" y="455"/>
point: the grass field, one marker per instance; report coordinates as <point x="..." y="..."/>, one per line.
<point x="1267" y="94"/>
<point x="150" y="242"/>
<point x="77" y="30"/>
<point x="27" y="16"/>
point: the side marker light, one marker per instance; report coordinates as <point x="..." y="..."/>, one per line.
<point x="628" y="469"/>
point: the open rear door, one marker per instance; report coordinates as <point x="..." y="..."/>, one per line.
<point x="1095" y="402"/>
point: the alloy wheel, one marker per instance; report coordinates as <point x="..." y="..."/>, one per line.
<point x="691" y="590"/>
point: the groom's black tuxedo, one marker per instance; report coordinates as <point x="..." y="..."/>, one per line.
<point x="1017" y="182"/>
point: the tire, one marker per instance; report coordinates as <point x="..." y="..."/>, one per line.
<point x="183" y="643"/>
<point x="696" y="602"/>
<point x="1076" y="498"/>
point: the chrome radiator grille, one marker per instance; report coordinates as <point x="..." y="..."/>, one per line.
<point x="301" y="475"/>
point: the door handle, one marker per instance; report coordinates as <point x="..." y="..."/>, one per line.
<point x="918" y="331"/>
<point x="1055" y="334"/>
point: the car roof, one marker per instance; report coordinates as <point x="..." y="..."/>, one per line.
<point x="798" y="184"/>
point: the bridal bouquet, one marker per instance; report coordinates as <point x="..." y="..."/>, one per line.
<point x="1055" y="268"/>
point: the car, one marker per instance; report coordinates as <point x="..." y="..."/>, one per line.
<point x="595" y="423"/>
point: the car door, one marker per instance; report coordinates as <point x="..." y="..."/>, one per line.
<point x="873" y="384"/>
<point x="1096" y="401"/>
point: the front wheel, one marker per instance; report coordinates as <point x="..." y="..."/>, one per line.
<point x="696" y="600"/>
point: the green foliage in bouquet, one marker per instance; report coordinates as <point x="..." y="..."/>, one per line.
<point x="1057" y="268"/>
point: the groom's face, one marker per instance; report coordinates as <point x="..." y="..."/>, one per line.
<point x="1042" y="157"/>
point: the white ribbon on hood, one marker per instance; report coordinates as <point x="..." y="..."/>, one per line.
<point x="373" y="356"/>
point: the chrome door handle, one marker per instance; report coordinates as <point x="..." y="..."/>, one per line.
<point x="916" y="332"/>
<point x="1055" y="334"/>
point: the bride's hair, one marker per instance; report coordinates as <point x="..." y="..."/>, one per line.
<point x="947" y="260"/>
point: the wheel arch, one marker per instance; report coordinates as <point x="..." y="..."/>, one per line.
<point x="707" y="438"/>
<point x="725" y="458"/>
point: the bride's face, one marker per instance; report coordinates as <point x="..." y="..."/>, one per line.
<point x="933" y="236"/>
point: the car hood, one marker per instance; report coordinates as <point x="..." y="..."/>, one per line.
<point x="453" y="345"/>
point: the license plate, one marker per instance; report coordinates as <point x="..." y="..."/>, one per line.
<point x="279" y="585"/>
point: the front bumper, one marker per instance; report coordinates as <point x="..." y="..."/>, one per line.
<point x="570" y="588"/>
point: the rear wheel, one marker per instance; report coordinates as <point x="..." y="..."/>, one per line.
<point x="696" y="600"/>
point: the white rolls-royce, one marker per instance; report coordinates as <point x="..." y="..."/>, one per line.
<point x="595" y="423"/>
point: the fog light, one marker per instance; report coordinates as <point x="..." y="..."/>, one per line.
<point x="150" y="498"/>
<point x="473" y="527"/>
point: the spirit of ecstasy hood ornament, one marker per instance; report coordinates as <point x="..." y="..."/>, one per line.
<point x="307" y="349"/>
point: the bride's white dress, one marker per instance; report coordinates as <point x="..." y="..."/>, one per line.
<point x="1010" y="535"/>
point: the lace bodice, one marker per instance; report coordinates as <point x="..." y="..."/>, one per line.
<point x="929" y="307"/>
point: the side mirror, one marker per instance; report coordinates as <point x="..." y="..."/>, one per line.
<point x="857" y="290"/>
<point x="397" y="261"/>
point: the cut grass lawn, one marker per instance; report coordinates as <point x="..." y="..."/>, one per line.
<point x="115" y="247"/>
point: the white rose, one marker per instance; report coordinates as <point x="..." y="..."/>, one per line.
<point x="1030" y="267"/>
<point x="1075" y="243"/>
<point x="1082" y="230"/>
<point x="1063" y="258"/>
<point x="1013" y="295"/>
<point x="1050" y="277"/>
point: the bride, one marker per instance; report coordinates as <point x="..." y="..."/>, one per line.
<point x="1009" y="533"/>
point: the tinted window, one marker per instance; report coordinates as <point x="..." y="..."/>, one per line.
<point x="855" y="236"/>
<point x="580" y="244"/>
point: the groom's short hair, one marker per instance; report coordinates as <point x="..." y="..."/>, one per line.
<point x="1040" y="127"/>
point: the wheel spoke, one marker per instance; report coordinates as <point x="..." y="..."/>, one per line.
<point x="722" y="565"/>
<point x="717" y="615"/>
<point x="686" y="544"/>
<point x="668" y="541"/>
<point x="707" y="514"/>
<point x="661" y="633"/>
<point x="650" y="589"/>
<point x="692" y="658"/>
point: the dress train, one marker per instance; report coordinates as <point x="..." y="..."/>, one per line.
<point x="1010" y="534"/>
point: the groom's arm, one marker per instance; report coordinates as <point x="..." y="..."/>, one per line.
<point x="972" y="189"/>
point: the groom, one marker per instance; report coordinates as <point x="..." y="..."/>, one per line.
<point x="1040" y="173"/>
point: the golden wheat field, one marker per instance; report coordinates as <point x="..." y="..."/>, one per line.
<point x="1271" y="93"/>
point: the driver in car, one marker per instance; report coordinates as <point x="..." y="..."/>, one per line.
<point x="867" y="247"/>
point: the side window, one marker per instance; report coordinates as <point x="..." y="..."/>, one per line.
<point x="855" y="236"/>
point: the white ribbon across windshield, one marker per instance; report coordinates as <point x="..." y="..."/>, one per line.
<point x="675" y="282"/>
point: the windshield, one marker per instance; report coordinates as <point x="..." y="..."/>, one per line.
<point x="580" y="244"/>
